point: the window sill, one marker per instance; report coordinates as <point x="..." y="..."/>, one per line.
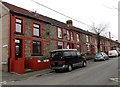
<point x="37" y="36"/>
<point x="18" y="33"/>
<point x="60" y="38"/>
<point x="36" y="55"/>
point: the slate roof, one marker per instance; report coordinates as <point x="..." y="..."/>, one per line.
<point x="24" y="12"/>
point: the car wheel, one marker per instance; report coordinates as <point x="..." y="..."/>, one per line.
<point x="69" y="68"/>
<point x="84" y="64"/>
<point x="104" y="59"/>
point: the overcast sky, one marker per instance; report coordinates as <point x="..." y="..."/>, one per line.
<point x="86" y="11"/>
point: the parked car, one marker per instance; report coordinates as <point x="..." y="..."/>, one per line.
<point x="118" y="52"/>
<point x="66" y="59"/>
<point x="112" y="53"/>
<point x="101" y="56"/>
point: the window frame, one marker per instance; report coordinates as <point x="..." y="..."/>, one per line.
<point x="22" y="25"/>
<point x="40" y="29"/>
<point x="87" y="38"/>
<point x="20" y="49"/>
<point x="40" y="47"/>
<point x="78" y="37"/>
<point x="68" y="35"/>
<point x="61" y="30"/>
<point x="72" y="35"/>
<point x="62" y="44"/>
<point x="68" y="45"/>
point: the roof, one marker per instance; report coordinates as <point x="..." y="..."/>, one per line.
<point x="21" y="11"/>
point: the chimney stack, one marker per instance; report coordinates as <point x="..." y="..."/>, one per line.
<point x="69" y="23"/>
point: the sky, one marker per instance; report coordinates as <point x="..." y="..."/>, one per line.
<point x="85" y="11"/>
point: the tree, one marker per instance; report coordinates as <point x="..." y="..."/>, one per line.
<point x="98" y="30"/>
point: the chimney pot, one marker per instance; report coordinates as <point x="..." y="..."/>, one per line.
<point x="69" y="23"/>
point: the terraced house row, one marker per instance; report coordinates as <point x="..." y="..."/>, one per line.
<point x="28" y="37"/>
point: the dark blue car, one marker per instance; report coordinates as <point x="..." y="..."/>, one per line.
<point x="101" y="56"/>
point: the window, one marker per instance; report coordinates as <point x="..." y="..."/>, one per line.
<point x="72" y="46"/>
<point x="68" y="35"/>
<point x="68" y="46"/>
<point x="60" y="45"/>
<point x="73" y="54"/>
<point x="36" y="30"/>
<point x="78" y="37"/>
<point x="88" y="46"/>
<point x="18" y="26"/>
<point x="78" y="46"/>
<point x="72" y="36"/>
<point x="36" y="48"/>
<point x="60" y="33"/>
<point x="78" y="53"/>
<point x="56" y="55"/>
<point x="18" y="48"/>
<point x="87" y="38"/>
<point x="67" y="54"/>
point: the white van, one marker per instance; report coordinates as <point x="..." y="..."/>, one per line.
<point x="112" y="53"/>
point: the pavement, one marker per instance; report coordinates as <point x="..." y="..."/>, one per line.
<point x="9" y="77"/>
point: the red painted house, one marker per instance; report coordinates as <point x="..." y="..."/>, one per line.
<point x="28" y="37"/>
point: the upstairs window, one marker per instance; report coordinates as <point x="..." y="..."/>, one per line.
<point x="19" y="28"/>
<point x="72" y="36"/>
<point x="68" y="35"/>
<point x="60" y="33"/>
<point x="87" y="38"/>
<point x="36" y="30"/>
<point x="78" y="38"/>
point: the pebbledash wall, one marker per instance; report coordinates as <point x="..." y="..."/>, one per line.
<point x="20" y="35"/>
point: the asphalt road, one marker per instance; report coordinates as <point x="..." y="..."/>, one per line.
<point x="96" y="73"/>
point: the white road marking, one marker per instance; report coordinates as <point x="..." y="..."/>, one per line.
<point x="115" y="79"/>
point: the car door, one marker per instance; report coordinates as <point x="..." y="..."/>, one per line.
<point x="80" y="59"/>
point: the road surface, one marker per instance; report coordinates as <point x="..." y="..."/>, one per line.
<point x="96" y="73"/>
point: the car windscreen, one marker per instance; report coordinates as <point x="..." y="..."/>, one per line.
<point x="56" y="55"/>
<point x="98" y="55"/>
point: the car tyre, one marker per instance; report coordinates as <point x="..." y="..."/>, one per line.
<point x="69" y="68"/>
<point x="84" y="64"/>
<point x="104" y="59"/>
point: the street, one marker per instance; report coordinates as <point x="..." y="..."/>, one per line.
<point x="96" y="73"/>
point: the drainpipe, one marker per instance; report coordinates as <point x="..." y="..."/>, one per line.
<point x="10" y="42"/>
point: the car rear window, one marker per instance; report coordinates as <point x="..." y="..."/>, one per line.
<point x="56" y="55"/>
